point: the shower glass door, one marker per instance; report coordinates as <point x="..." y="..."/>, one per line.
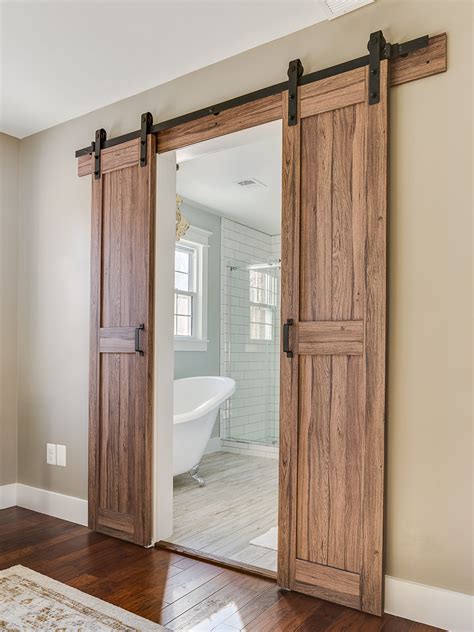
<point x="250" y="343"/>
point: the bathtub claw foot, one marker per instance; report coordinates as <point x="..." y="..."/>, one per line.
<point x="193" y="472"/>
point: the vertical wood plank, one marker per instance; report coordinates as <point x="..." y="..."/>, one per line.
<point x="337" y="462"/>
<point x="341" y="273"/>
<point x="315" y="304"/>
<point x="103" y="438"/>
<point x="290" y="257"/>
<point x="376" y="271"/>
<point x="313" y="458"/>
<point x="94" y="360"/>
<point x="123" y="447"/>
<point x="355" y="446"/>
<point x="359" y="201"/>
<point x="356" y="366"/>
<point x="316" y="217"/>
<point x="148" y="190"/>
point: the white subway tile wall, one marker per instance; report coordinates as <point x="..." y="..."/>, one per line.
<point x="253" y="412"/>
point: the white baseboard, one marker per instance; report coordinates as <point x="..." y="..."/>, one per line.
<point x="445" y="609"/>
<point x="425" y="604"/>
<point x="7" y="496"/>
<point x="214" y="445"/>
<point x="52" y="504"/>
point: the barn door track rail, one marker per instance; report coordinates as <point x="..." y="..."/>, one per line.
<point x="429" y="58"/>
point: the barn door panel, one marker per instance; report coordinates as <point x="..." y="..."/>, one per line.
<point x="121" y="357"/>
<point x="333" y="388"/>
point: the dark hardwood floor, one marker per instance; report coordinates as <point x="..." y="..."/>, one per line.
<point x="176" y="591"/>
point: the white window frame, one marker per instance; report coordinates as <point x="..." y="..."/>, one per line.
<point x="270" y="306"/>
<point x="198" y="239"/>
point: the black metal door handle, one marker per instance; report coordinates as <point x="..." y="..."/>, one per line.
<point x="137" y="339"/>
<point x="286" y="338"/>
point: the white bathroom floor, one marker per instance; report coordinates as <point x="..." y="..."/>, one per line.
<point x="238" y="504"/>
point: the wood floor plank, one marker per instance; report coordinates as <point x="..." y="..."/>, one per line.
<point x="286" y="615"/>
<point x="169" y="588"/>
<point x="253" y="609"/>
<point x="193" y="598"/>
<point x="356" y="622"/>
<point x="189" y="579"/>
<point x="323" y="618"/>
<point x="397" y="624"/>
<point x="215" y="609"/>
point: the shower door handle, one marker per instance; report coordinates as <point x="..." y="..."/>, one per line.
<point x="286" y="338"/>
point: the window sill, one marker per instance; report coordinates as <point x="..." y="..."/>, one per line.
<point x="190" y="345"/>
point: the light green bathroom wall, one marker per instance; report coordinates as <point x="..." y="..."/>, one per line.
<point x="192" y="363"/>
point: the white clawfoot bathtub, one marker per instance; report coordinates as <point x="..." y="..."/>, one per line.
<point x="196" y="404"/>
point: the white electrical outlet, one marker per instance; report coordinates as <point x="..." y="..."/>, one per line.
<point x="51" y="453"/>
<point x="61" y="455"/>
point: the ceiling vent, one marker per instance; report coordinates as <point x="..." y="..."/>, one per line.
<point x="250" y="182"/>
<point x="335" y="8"/>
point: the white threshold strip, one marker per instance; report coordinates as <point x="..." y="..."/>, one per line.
<point x="425" y="604"/>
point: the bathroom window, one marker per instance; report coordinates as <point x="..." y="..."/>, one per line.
<point x="185" y="260"/>
<point x="263" y="302"/>
<point x="190" y="297"/>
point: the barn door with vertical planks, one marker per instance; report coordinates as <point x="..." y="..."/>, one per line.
<point x="333" y="386"/>
<point x="121" y="354"/>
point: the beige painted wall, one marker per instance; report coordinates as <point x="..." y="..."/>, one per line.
<point x="429" y="427"/>
<point x="9" y="158"/>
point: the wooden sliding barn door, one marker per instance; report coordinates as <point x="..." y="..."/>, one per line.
<point x="333" y="388"/>
<point x="121" y="353"/>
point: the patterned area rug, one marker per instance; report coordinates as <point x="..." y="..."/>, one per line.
<point x="31" y="601"/>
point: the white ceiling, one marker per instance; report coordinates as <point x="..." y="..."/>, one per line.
<point x="63" y="58"/>
<point x="209" y="172"/>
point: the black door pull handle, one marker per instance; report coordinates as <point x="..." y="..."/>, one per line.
<point x="286" y="338"/>
<point x="137" y="339"/>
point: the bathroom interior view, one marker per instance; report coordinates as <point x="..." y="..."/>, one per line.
<point x="227" y="344"/>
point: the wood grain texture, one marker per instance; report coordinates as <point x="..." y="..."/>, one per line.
<point x="117" y="340"/>
<point x="332" y="249"/>
<point x="333" y="579"/>
<point x="290" y="256"/>
<point x="116" y="521"/>
<point x="331" y="337"/>
<point x="234" y="120"/>
<point x="426" y="62"/>
<point x="313" y="500"/>
<point x="94" y="357"/>
<point x="341" y="259"/>
<point x="118" y="157"/>
<point x="121" y="381"/>
<point x="375" y="340"/>
<point x="336" y="92"/>
<point x="178" y="592"/>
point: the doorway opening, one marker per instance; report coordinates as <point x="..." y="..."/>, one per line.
<point x="227" y="347"/>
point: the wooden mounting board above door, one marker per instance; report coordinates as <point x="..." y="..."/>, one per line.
<point x="426" y="62"/>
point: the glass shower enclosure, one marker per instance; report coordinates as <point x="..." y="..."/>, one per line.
<point x="250" y="347"/>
